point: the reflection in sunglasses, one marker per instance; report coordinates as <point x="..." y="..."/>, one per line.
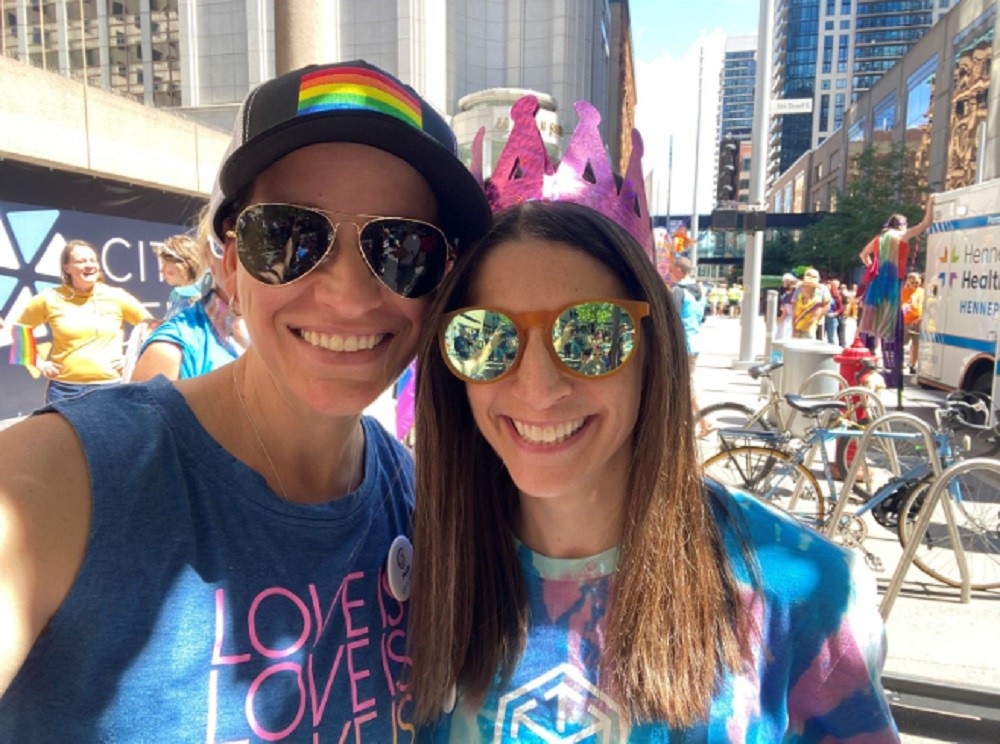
<point x="281" y="243"/>
<point x="588" y="339"/>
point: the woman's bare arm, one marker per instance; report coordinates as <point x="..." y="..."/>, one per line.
<point x="159" y="358"/>
<point x="44" y="523"/>
<point x="918" y="229"/>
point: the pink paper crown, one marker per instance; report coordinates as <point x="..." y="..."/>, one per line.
<point x="584" y="176"/>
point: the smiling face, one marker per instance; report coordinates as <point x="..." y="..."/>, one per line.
<point x="82" y="267"/>
<point x="336" y="338"/>
<point x="559" y="436"/>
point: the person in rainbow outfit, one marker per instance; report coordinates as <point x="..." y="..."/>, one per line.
<point x="575" y="579"/>
<point x="887" y="256"/>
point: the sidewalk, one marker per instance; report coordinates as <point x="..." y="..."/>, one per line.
<point x="930" y="633"/>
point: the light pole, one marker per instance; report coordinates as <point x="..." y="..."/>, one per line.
<point x="758" y="182"/>
<point x="697" y="152"/>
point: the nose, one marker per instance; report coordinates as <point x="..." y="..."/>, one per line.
<point x="538" y="381"/>
<point x="344" y="279"/>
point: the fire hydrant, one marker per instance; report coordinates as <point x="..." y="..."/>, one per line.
<point x="851" y="362"/>
<point x="856" y="367"/>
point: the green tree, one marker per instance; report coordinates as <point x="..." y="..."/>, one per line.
<point x="779" y="250"/>
<point x="881" y="184"/>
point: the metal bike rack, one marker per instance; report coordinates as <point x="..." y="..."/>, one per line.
<point x="920" y="528"/>
<point x="922" y="429"/>
<point x="983" y="703"/>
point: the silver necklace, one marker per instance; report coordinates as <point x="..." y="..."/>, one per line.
<point x="263" y="448"/>
<point x="260" y="440"/>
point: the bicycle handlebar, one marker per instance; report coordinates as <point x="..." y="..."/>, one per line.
<point x="961" y="410"/>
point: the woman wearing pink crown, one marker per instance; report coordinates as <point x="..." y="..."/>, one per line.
<point x="575" y="578"/>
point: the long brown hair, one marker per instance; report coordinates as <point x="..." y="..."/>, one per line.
<point x="674" y="621"/>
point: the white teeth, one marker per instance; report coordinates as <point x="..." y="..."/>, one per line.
<point x="548" y="434"/>
<point x="337" y="342"/>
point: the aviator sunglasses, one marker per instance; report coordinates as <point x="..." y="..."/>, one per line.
<point x="590" y="340"/>
<point x="280" y="243"/>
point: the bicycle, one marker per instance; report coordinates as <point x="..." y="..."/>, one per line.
<point x="902" y="464"/>
<point x="771" y="416"/>
<point x="971" y="506"/>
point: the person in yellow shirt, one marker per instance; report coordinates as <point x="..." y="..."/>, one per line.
<point x="87" y="319"/>
<point x="807" y="305"/>
<point x="912" y="304"/>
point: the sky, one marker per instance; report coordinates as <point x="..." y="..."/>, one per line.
<point x="667" y="37"/>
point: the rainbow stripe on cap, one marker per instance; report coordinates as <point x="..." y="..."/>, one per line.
<point x="357" y="89"/>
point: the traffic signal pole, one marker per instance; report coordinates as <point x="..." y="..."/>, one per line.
<point x="758" y="184"/>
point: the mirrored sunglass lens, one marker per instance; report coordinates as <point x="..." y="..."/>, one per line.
<point x="480" y="345"/>
<point x="594" y="338"/>
<point x="407" y="256"/>
<point x="278" y="243"/>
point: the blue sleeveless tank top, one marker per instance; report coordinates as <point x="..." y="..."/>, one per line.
<point x="207" y="609"/>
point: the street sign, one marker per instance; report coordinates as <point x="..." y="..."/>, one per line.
<point x="781" y="106"/>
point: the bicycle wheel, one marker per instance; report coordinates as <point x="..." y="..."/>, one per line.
<point x="774" y="478"/>
<point x="895" y="449"/>
<point x="722" y="416"/>
<point x="973" y="495"/>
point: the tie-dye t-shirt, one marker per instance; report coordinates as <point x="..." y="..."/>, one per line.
<point x="815" y="676"/>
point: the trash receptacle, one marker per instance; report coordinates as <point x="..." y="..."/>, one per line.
<point x="803" y="358"/>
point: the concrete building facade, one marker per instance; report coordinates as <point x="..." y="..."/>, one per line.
<point x="202" y="56"/>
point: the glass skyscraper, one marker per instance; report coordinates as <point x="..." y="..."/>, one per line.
<point x="736" y="87"/>
<point x="796" y="37"/>
<point x="832" y="51"/>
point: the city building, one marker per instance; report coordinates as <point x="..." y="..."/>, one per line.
<point x="832" y="51"/>
<point x="736" y="87"/>
<point x="202" y="56"/>
<point x="736" y="104"/>
<point x="937" y="101"/>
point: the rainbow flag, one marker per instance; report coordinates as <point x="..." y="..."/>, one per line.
<point x="22" y="345"/>
<point x="358" y="88"/>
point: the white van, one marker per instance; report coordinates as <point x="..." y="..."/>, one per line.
<point x="958" y="340"/>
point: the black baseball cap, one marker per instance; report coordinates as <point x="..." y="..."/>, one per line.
<point x="350" y="102"/>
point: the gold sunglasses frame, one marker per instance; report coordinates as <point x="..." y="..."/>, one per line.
<point x="334" y="224"/>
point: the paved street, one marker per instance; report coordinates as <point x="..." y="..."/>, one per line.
<point x="930" y="633"/>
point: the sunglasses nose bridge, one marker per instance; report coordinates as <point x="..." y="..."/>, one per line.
<point x="537" y="359"/>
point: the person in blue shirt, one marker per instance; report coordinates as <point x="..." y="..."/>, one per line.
<point x="203" y="334"/>
<point x="224" y="558"/>
<point x="690" y="300"/>
<point x="182" y="262"/>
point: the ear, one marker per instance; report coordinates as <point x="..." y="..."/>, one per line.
<point x="230" y="261"/>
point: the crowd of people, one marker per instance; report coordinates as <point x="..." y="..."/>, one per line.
<point x="239" y="553"/>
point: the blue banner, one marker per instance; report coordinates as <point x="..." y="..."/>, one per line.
<point x="31" y="243"/>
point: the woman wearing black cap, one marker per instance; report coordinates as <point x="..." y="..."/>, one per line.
<point x="224" y="558"/>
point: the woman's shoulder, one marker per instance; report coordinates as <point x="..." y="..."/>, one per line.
<point x="787" y="557"/>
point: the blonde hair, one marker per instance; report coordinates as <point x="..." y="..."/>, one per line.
<point x="674" y="621"/>
<point x="185" y="252"/>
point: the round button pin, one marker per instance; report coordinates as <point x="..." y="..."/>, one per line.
<point x="400" y="567"/>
